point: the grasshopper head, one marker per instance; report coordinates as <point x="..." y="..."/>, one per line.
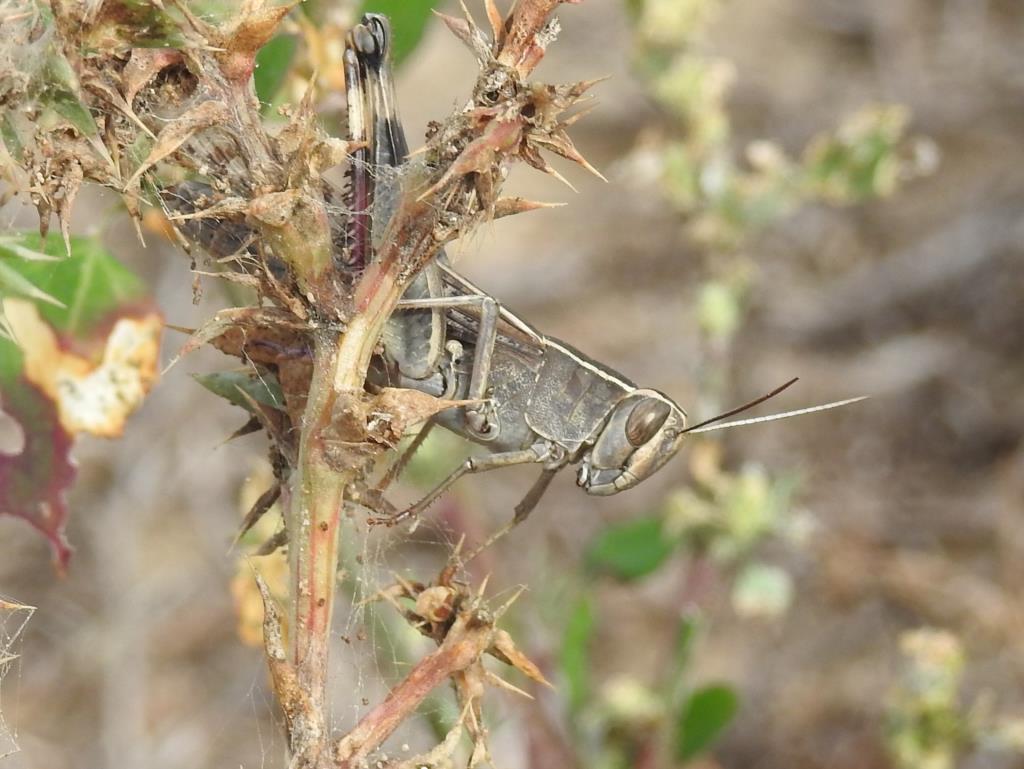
<point x="643" y="432"/>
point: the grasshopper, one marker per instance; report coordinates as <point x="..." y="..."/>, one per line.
<point x="545" y="402"/>
<point x="541" y="401"/>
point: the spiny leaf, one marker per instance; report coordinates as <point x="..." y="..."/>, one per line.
<point x="13" y="283"/>
<point x="14" y="245"/>
<point x="505" y="649"/>
<point x="86" y="285"/>
<point x="176" y="133"/>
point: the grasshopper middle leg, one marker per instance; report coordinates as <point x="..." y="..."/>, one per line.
<point x="479" y="381"/>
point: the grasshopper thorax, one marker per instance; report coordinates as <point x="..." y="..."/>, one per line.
<point x="642" y="433"/>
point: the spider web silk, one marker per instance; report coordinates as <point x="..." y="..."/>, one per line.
<point x="14" y="618"/>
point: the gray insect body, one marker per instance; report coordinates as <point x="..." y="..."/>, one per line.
<point x="542" y="401"/>
<point x="549" y="403"/>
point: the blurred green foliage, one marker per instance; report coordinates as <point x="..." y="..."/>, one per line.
<point x="929" y="726"/>
<point x="723" y="515"/>
<point x="708" y="711"/>
<point x="574" y="658"/>
<point x="73" y="290"/>
<point x="272" y="64"/>
<point x="613" y="724"/>
<point x="726" y="197"/>
<point x="631" y="550"/>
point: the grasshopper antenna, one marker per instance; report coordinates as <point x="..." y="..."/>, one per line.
<point x="740" y="409"/>
<point x="773" y="417"/>
<point x="708" y="425"/>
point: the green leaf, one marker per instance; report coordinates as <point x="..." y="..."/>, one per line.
<point x="14" y="245"/>
<point x="13" y="283"/>
<point x="272" y="63"/>
<point x="409" y="19"/>
<point x="230" y="385"/>
<point x="66" y="104"/>
<point x="77" y="295"/>
<point x="575" y="653"/>
<point x="708" y="711"/>
<point x="10" y="137"/>
<point x="631" y="550"/>
<point x="88" y="284"/>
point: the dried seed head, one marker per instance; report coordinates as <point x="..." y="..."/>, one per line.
<point x="436" y="604"/>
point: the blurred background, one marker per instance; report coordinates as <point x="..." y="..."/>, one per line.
<point x="826" y="189"/>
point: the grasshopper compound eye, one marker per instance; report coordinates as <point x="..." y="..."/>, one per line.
<point x="645" y="419"/>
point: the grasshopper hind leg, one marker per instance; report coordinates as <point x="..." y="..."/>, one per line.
<point x="552" y="459"/>
<point x="471" y="466"/>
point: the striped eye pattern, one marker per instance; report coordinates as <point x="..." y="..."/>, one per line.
<point x="645" y="420"/>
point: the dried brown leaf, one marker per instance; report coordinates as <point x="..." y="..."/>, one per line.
<point x="176" y="133"/>
<point x="505" y="649"/>
<point x="144" y="65"/>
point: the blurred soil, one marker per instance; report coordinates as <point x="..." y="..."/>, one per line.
<point x="918" y="494"/>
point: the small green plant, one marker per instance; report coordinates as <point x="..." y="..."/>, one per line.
<point x="930" y="726"/>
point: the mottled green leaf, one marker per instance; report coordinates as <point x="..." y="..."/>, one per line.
<point x="631" y="550"/>
<point x="575" y="653"/>
<point x="76" y="295"/>
<point x="708" y="711"/>
<point x="409" y="20"/>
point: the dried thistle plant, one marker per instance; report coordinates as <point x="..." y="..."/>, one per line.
<point x="137" y="96"/>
